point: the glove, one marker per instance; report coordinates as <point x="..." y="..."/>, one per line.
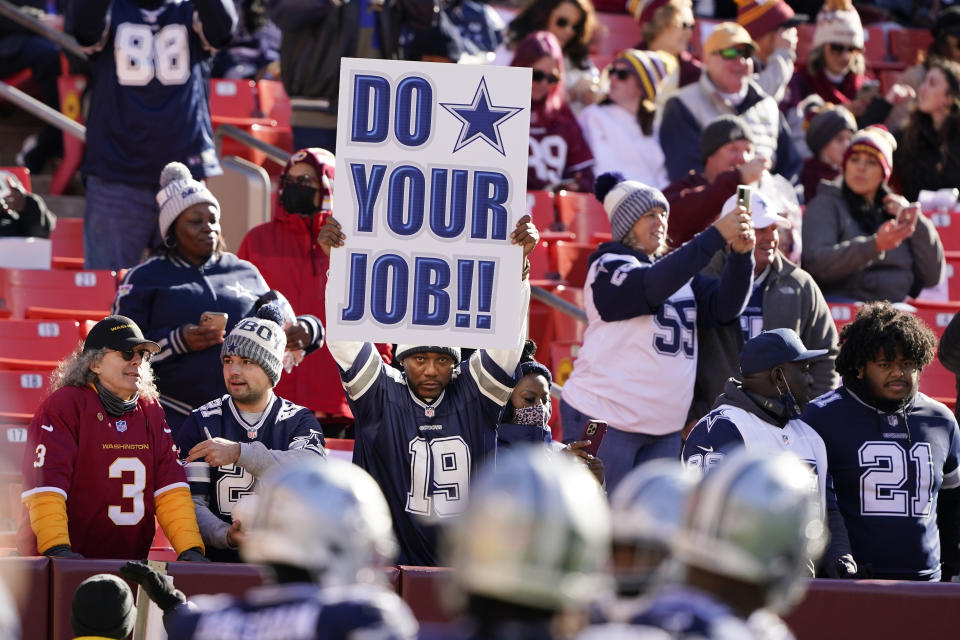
<point x="843" y="568"/>
<point x="158" y="588"/>
<point x="61" y="551"/>
<point x="192" y="554"/>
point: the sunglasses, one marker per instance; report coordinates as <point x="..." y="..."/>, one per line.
<point x="563" y="23"/>
<point x="128" y="354"/>
<point x="841" y="48"/>
<point x="619" y="73"/>
<point x="304" y="180"/>
<point x="733" y="53"/>
<point x="540" y="76"/>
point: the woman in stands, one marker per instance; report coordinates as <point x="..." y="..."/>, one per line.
<point x="863" y="242"/>
<point x="170" y="294"/>
<point x="638" y="361"/>
<point x="560" y="157"/>
<point x="929" y="153"/>
<point x="622" y="130"/>
<point x="572" y="22"/>
<point x="667" y="25"/>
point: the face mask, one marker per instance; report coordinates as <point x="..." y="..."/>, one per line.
<point x="297" y="198"/>
<point x="789" y="401"/>
<point x="535" y="416"/>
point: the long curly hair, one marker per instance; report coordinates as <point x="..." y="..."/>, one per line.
<point x="880" y="326"/>
<point x="75" y="371"/>
<point x="536" y="17"/>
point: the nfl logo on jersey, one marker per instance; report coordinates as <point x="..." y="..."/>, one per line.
<point x="121" y="426"/>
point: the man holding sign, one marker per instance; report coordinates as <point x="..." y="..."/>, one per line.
<point x="430" y="183"/>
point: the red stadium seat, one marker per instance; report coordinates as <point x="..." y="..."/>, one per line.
<point x="616" y="33"/>
<point x="36" y="344"/>
<point x="340" y="448"/>
<point x="67" y="239"/>
<point x="875" y="47"/>
<point x="566" y="327"/>
<point x="542" y="211"/>
<point x="843" y="312"/>
<point x="582" y="214"/>
<point x="36" y="293"/>
<point x="274" y="102"/>
<point x="804" y="42"/>
<point x="542" y="264"/>
<point x="572" y="261"/>
<point x="20" y="173"/>
<point x="948" y="226"/>
<point x="21" y="392"/>
<point x="232" y="100"/>
<point x="14" y="438"/>
<point x="908" y="45"/>
<point x="953" y="273"/>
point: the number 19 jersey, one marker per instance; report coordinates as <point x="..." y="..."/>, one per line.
<point x="888" y="470"/>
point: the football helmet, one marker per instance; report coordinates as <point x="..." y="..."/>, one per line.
<point x="647" y="510"/>
<point x="535" y="533"/>
<point x="756" y="518"/>
<point x="326" y="516"/>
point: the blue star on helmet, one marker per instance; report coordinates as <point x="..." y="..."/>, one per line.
<point x="480" y="119"/>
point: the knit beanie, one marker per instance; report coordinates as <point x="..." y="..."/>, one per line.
<point x="877" y="141"/>
<point x="838" y="22"/>
<point x="178" y="190"/>
<point x="722" y="130"/>
<point x="643" y="10"/>
<point x="825" y="126"/>
<point x="650" y="68"/>
<point x="260" y="338"/>
<point x="762" y="16"/>
<point x="625" y="201"/>
<point x="404" y="350"/>
<point x="103" y="606"/>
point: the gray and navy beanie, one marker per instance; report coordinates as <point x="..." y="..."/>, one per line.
<point x="625" y="201"/>
<point x="260" y="338"/>
<point x="404" y="350"/>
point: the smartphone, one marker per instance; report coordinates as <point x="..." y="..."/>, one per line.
<point x="594" y="432"/>
<point x="743" y="196"/>
<point x="216" y="319"/>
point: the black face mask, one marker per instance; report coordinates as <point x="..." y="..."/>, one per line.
<point x="297" y="198"/>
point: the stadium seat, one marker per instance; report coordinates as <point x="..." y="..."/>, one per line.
<point x="14" y="439"/>
<point x="71" y="89"/>
<point x="20" y="173"/>
<point x="948" y="226"/>
<point x="571" y="260"/>
<point x="908" y="45"/>
<point x="953" y="273"/>
<point x="274" y="102"/>
<point x="804" y="42"/>
<point x="542" y="211"/>
<point x="67" y="239"/>
<point x="616" y="33"/>
<point x="843" y="312"/>
<point x="21" y="392"/>
<point x="566" y="327"/>
<point x="36" y="344"/>
<point x="36" y="293"/>
<point x="582" y="214"/>
<point x="542" y="264"/>
<point x="234" y="102"/>
<point x="875" y="48"/>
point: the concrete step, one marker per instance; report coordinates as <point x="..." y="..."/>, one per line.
<point x="65" y="206"/>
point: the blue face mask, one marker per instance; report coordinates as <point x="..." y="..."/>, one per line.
<point x="535" y="416"/>
<point x="789" y="401"/>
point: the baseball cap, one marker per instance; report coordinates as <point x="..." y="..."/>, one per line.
<point x="762" y="211"/>
<point x="119" y="333"/>
<point x="773" y="348"/>
<point x="725" y="35"/>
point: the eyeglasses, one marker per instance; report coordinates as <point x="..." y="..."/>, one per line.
<point x="619" y="73"/>
<point x="841" y="48"/>
<point x="733" y="53"/>
<point x="540" y="76"/>
<point x="128" y="354"/>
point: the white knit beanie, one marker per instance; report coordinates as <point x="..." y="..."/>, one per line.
<point x="178" y="190"/>
<point x="260" y="338"/>
<point x="838" y="22"/>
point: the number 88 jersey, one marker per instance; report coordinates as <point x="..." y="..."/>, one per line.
<point x="888" y="470"/>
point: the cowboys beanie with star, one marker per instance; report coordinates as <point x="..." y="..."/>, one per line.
<point x="260" y="338"/>
<point x="404" y="350"/>
<point x="103" y="607"/>
<point x="178" y="190"/>
<point x="625" y="201"/>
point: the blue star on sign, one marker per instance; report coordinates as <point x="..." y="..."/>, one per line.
<point x="480" y="119"/>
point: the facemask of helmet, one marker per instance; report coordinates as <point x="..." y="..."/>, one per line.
<point x="299" y="199"/>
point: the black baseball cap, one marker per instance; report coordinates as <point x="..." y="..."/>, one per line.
<point x="772" y="348"/>
<point x="119" y="333"/>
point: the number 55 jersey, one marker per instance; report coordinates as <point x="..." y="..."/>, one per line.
<point x="895" y="475"/>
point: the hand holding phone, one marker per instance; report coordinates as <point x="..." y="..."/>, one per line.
<point x="594" y="432"/>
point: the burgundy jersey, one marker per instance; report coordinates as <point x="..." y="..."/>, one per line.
<point x="558" y="151"/>
<point x="109" y="470"/>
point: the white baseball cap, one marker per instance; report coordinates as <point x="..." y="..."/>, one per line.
<point x="762" y="210"/>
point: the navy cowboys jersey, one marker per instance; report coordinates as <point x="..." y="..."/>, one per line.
<point x="422" y="456"/>
<point x="888" y="470"/>
<point x="283" y="425"/>
<point x="297" y="611"/>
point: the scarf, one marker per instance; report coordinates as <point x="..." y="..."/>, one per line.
<point x="114" y="405"/>
<point x="868" y="215"/>
<point x="837" y="94"/>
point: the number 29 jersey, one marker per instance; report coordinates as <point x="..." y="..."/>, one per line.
<point x="148" y="100"/>
<point x="888" y="470"/>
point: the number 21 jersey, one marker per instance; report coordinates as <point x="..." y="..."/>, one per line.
<point x="888" y="470"/>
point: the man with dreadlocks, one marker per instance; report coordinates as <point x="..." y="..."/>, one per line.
<point x="893" y="453"/>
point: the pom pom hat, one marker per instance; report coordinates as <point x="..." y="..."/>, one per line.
<point x="838" y="23"/>
<point x="178" y="190"/>
<point x="260" y="338"/>
<point x="876" y="141"/>
<point x="625" y="201"/>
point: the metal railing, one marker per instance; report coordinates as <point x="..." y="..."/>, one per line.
<point x="42" y="111"/>
<point x="276" y="154"/>
<point x="65" y="41"/>
<point x="558" y="303"/>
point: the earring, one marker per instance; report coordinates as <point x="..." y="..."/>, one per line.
<point x="169" y="242"/>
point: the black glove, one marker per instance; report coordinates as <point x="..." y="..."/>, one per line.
<point x="193" y="554"/>
<point x="158" y="588"/>
<point x="843" y="568"/>
<point x="61" y="551"/>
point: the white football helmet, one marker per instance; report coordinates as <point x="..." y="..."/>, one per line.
<point x="754" y="518"/>
<point x="536" y="532"/>
<point x="647" y="511"/>
<point x="326" y="516"/>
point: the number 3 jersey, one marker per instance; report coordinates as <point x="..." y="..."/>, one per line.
<point x="888" y="470"/>
<point x="148" y="100"/>
<point x="109" y="469"/>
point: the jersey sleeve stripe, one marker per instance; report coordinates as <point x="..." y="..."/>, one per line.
<point x="27" y="494"/>
<point x="366" y="374"/>
<point x="197" y="471"/>
<point x="170" y="487"/>
<point x="488" y="384"/>
<point x="951" y="480"/>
